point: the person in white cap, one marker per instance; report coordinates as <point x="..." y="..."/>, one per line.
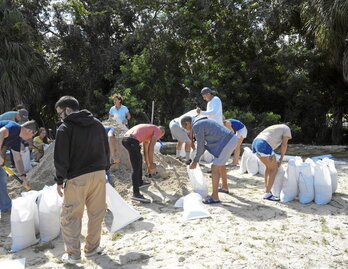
<point x="19" y="116"/>
<point x="214" y="106"/>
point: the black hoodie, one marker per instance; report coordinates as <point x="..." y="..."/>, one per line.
<point x="81" y="146"/>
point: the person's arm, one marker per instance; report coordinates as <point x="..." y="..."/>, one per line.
<point x="199" y="134"/>
<point x="128" y="116"/>
<point x="213" y="110"/>
<point x="192" y="142"/>
<point x="283" y="147"/>
<point x="61" y="157"/>
<point x="3" y="134"/>
<point x="146" y="153"/>
<point x="38" y="144"/>
<point x="17" y="157"/>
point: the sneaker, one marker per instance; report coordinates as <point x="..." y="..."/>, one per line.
<point x="96" y="251"/>
<point x="273" y="198"/>
<point x="66" y="258"/>
<point x="145" y="184"/>
<point x="267" y="195"/>
<point x="141" y="198"/>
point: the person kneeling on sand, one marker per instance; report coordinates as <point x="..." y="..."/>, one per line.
<point x="148" y="134"/>
<point x="241" y="132"/>
<point x="182" y="136"/>
<point x="264" y="145"/>
<point x="220" y="142"/>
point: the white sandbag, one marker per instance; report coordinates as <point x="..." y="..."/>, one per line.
<point x="286" y="158"/>
<point x="278" y="182"/>
<point x="49" y="213"/>
<point x="179" y="202"/>
<point x="123" y="213"/>
<point x="333" y="172"/>
<point x="194" y="208"/>
<point x="306" y="183"/>
<point x="25" y="154"/>
<point x="243" y="161"/>
<point x="157" y="147"/>
<point x="321" y="157"/>
<point x="198" y="181"/>
<point x="23" y="223"/>
<point x="322" y="184"/>
<point x="262" y="167"/>
<point x="289" y="190"/>
<point x="13" y="264"/>
<point x="36" y="196"/>
<point x="252" y="165"/>
<point x="312" y="163"/>
<point x="208" y="157"/>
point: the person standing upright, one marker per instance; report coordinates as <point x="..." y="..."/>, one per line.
<point x="119" y="112"/>
<point x="214" y="106"/>
<point x="81" y="157"/>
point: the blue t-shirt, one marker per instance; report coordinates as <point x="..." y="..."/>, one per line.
<point x="119" y="113"/>
<point x="13" y="140"/>
<point x="108" y="129"/>
<point x="236" y="124"/>
<point x="10" y="115"/>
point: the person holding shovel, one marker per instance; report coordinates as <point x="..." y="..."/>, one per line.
<point x="217" y="140"/>
<point x="11" y="134"/>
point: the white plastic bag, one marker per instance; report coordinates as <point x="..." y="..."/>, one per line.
<point x="306" y="184"/>
<point x="49" y="213"/>
<point x="243" y="161"/>
<point x="333" y="173"/>
<point x="198" y="181"/>
<point x="123" y="213"/>
<point x="252" y="164"/>
<point x="194" y="208"/>
<point x="289" y="190"/>
<point x="25" y="154"/>
<point x="36" y="196"/>
<point x="278" y="182"/>
<point x="23" y="214"/>
<point x="322" y="184"/>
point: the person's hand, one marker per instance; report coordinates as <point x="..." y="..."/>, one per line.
<point x="193" y="165"/>
<point x="59" y="190"/>
<point x="151" y="168"/>
<point x="111" y="116"/>
<point x="25" y="181"/>
<point x="115" y="160"/>
<point x="198" y="110"/>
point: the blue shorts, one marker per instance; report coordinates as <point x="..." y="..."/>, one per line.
<point x="261" y="147"/>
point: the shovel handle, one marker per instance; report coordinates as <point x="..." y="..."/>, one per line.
<point x="12" y="174"/>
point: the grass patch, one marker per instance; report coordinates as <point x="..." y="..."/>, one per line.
<point x="346" y="250"/>
<point x="252" y="229"/>
<point x="322" y="220"/>
<point x="325" y="241"/>
<point x="256" y="237"/>
<point x="116" y="236"/>
<point x="226" y="249"/>
<point x="337" y="228"/>
<point x="325" y="228"/>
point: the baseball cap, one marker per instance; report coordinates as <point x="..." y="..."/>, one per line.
<point x="206" y="90"/>
<point x="23" y="113"/>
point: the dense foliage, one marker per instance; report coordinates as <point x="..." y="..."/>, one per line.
<point x="269" y="61"/>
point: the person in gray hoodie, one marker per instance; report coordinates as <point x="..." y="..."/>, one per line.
<point x="217" y="140"/>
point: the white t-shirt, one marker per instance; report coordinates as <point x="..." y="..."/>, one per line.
<point x="274" y="134"/>
<point x="214" y="110"/>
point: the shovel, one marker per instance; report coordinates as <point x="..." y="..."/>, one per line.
<point x="12" y="174"/>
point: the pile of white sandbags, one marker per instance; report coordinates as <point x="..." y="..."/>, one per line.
<point x="36" y="212"/>
<point x="309" y="181"/>
<point x="250" y="163"/>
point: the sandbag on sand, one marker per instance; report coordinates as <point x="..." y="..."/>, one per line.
<point x="306" y="184"/>
<point x="333" y="173"/>
<point x="252" y="164"/>
<point x="322" y="184"/>
<point x="243" y="161"/>
<point x="23" y="214"/>
<point x="194" y="208"/>
<point x="278" y="182"/>
<point x="123" y="213"/>
<point x="197" y="181"/>
<point x="49" y="213"/>
<point x="36" y="196"/>
<point x="290" y="188"/>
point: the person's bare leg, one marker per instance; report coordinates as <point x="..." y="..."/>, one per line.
<point x="178" y="148"/>
<point x="112" y="147"/>
<point x="187" y="150"/>
<point x="237" y="151"/>
<point x="215" y="174"/>
<point x="270" y="172"/>
<point x="223" y="174"/>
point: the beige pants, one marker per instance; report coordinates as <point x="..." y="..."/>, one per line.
<point x="89" y="190"/>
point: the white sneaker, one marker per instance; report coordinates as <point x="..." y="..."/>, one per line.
<point x="98" y="250"/>
<point x="68" y="259"/>
<point x="267" y="195"/>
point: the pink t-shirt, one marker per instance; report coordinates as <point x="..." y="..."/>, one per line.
<point x="144" y="132"/>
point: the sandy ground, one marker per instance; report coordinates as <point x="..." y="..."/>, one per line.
<point x="244" y="231"/>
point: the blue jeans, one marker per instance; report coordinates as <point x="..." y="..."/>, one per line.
<point x="5" y="201"/>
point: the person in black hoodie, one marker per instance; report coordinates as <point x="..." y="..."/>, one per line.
<point x="81" y="156"/>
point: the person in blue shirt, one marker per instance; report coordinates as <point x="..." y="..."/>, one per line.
<point x="19" y="116"/>
<point x="217" y="140"/>
<point x="119" y="112"/>
<point x="241" y="132"/>
<point x="11" y="134"/>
